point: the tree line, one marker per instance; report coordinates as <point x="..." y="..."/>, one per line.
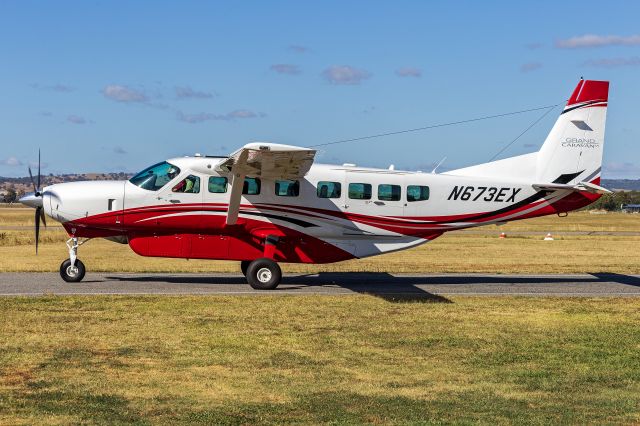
<point x="613" y="201"/>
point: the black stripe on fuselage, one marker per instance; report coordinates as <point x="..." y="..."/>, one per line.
<point x="564" y="178"/>
<point x="535" y="197"/>
<point x="298" y="222"/>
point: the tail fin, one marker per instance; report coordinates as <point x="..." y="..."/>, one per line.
<point x="573" y="150"/>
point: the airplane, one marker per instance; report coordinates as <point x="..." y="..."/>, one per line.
<point x="268" y="203"/>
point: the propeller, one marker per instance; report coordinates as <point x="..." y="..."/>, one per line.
<point x="37" y="194"/>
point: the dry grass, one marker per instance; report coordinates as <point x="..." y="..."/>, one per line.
<point x="318" y="359"/>
<point x="454" y="252"/>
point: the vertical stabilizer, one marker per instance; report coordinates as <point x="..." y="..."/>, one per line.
<point x="573" y="150"/>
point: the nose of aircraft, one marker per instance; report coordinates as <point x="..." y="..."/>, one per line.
<point x="32" y="199"/>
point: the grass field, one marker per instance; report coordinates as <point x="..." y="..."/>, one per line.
<point x="454" y="252"/>
<point x="310" y="359"/>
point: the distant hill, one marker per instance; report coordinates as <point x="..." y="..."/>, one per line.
<point x="23" y="184"/>
<point x="621" y="184"/>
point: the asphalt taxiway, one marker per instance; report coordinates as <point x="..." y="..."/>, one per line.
<point x="333" y="283"/>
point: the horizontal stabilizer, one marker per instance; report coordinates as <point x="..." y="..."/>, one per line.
<point x="580" y="186"/>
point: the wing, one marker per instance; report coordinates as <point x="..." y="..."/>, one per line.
<point x="265" y="160"/>
<point x="269" y="160"/>
<point x="581" y="186"/>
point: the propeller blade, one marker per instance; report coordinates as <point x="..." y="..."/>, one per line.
<point x="37" y="227"/>
<point x="42" y="216"/>
<point x="32" y="182"/>
<point x="38" y="169"/>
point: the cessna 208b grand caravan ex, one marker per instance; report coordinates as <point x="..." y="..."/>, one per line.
<point x="268" y="203"/>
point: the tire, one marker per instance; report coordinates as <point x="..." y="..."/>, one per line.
<point x="244" y="265"/>
<point x="69" y="275"/>
<point x="264" y="274"/>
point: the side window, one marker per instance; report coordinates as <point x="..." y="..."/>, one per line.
<point x="389" y="192"/>
<point x="217" y="184"/>
<point x="287" y="188"/>
<point x="360" y="191"/>
<point x="251" y="186"/>
<point x="189" y="185"/>
<point x="417" y="193"/>
<point x="329" y="190"/>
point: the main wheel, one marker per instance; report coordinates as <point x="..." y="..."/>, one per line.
<point x="244" y="265"/>
<point x="264" y="274"/>
<point x="72" y="274"/>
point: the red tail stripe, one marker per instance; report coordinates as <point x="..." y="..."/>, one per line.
<point x="589" y="90"/>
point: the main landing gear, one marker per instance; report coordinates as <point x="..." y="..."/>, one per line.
<point x="262" y="274"/>
<point x="72" y="270"/>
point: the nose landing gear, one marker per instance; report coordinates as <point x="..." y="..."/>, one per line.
<point x="72" y="270"/>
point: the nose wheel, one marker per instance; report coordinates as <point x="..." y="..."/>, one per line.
<point x="72" y="270"/>
<point x="72" y="273"/>
<point x="263" y="274"/>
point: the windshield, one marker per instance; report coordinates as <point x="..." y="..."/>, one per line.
<point x="155" y="177"/>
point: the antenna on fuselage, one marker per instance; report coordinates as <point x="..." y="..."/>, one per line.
<point x="433" y="172"/>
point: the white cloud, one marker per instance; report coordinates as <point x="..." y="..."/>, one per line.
<point x="208" y="116"/>
<point x="593" y="40"/>
<point x="298" y="49"/>
<point x="187" y="92"/>
<point x="76" y="119"/>
<point x="345" y="75"/>
<point x="530" y="66"/>
<point x="244" y="113"/>
<point x="12" y="162"/>
<point x="63" y="88"/>
<point x="409" y="72"/>
<point x="534" y="46"/>
<point x="124" y="94"/>
<point x="613" y="62"/>
<point x="285" y="69"/>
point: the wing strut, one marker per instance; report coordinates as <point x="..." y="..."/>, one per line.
<point x="236" y="191"/>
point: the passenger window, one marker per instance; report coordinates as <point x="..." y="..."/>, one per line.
<point x="189" y="185"/>
<point x="251" y="186"/>
<point x="417" y="193"/>
<point x="360" y="191"/>
<point x="287" y="188"/>
<point x="329" y="190"/>
<point x="389" y="192"/>
<point x="217" y="184"/>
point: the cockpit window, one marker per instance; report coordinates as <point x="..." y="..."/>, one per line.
<point x="155" y="177"/>
<point x="189" y="185"/>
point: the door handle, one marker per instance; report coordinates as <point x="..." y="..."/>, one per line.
<point x="379" y="203"/>
<point x="174" y="201"/>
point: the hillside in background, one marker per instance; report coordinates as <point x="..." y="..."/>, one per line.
<point x="23" y="184"/>
<point x="621" y="184"/>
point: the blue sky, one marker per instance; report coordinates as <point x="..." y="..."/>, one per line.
<point x="116" y="86"/>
